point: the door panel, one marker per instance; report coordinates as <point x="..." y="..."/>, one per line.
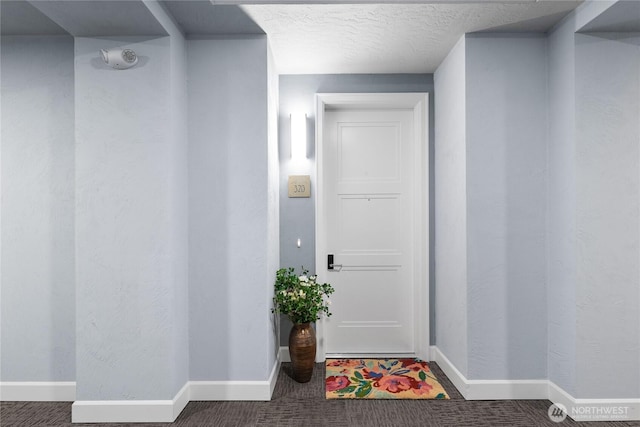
<point x="383" y="213"/>
<point x="369" y="152"/>
<point x="369" y="209"/>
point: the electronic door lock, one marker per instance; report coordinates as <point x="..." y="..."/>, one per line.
<point x="331" y="266"/>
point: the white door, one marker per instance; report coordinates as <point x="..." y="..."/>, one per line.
<point x="368" y="182"/>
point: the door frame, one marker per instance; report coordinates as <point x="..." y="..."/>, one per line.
<point x="419" y="103"/>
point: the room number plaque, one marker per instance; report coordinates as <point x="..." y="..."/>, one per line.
<point x="299" y="186"/>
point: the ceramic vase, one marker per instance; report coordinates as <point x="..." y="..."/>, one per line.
<point x="302" y="349"/>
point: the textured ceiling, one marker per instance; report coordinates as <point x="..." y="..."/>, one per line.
<point x="388" y="38"/>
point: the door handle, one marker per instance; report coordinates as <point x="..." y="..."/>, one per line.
<point x="331" y="266"/>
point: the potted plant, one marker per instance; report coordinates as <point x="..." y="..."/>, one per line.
<point x="302" y="299"/>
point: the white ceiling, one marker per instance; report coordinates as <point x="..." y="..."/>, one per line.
<point x="388" y="38"/>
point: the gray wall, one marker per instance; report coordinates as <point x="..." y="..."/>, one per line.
<point x="451" y="208"/>
<point x="273" y="226"/>
<point x="607" y="224"/>
<point x="131" y="214"/>
<point x="297" y="215"/>
<point x="490" y="206"/>
<point x="231" y="329"/>
<point x="553" y="165"/>
<point x="506" y="125"/>
<point x="561" y="214"/>
<point x="593" y="229"/>
<point x="37" y="175"/>
<point x="179" y="203"/>
<point x="131" y="255"/>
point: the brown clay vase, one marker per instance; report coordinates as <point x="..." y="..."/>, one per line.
<point x="302" y="349"/>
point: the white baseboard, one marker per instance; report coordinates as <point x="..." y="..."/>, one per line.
<point x="558" y="395"/>
<point x="595" y="409"/>
<point x="166" y="411"/>
<point x="133" y="411"/>
<point x="453" y="374"/>
<point x="273" y="378"/>
<point x="231" y="390"/>
<point x="130" y="411"/>
<point x="578" y="409"/>
<point x="490" y="389"/>
<point x="181" y="400"/>
<point x="38" y="391"/>
<point x="236" y="390"/>
<point x="507" y="389"/>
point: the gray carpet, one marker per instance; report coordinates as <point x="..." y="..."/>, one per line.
<point x="304" y="405"/>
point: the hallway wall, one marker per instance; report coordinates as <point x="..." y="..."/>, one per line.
<point x="594" y="190"/>
<point x="231" y="249"/>
<point x="506" y="125"/>
<point x="561" y="209"/>
<point x="451" y="208"/>
<point x="607" y="97"/>
<point x="37" y="261"/>
<point x="553" y="193"/>
<point x="113" y="184"/>
<point x="490" y="209"/>
<point x="131" y="259"/>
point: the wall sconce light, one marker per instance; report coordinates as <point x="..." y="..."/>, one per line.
<point x="298" y="136"/>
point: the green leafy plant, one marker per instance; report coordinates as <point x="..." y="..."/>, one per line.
<point x="300" y="297"/>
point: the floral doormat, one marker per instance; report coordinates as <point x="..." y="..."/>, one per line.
<point x="381" y="379"/>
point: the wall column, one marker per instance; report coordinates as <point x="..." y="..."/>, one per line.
<point x="131" y="253"/>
